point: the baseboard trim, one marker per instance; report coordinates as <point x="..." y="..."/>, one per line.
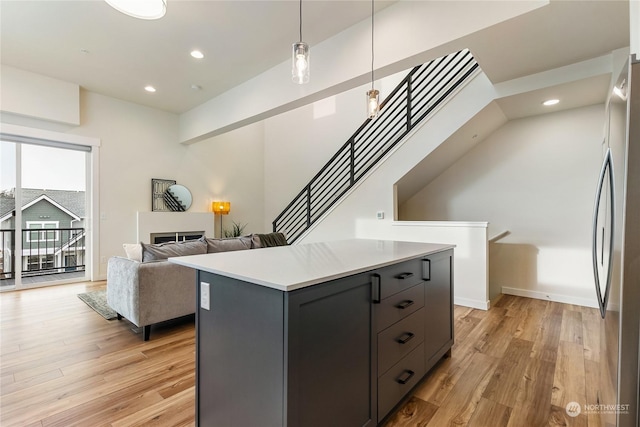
<point x="466" y="302"/>
<point x="566" y="299"/>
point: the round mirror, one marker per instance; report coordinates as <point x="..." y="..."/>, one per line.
<point x="177" y="198"/>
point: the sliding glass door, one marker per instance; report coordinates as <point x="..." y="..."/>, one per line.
<point x="43" y="213"/>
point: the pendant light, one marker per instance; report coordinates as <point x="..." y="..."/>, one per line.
<point x="300" y="58"/>
<point x="142" y="9"/>
<point x="373" y="96"/>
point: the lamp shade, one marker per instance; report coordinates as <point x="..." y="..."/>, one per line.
<point x="300" y="63"/>
<point x="142" y="9"/>
<point x="221" y="208"/>
<point x="373" y="103"/>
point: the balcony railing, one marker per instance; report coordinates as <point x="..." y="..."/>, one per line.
<point x="44" y="251"/>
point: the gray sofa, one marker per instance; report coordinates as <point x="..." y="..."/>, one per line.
<point x="145" y="288"/>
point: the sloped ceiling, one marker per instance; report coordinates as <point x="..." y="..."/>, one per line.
<point x="104" y="51"/>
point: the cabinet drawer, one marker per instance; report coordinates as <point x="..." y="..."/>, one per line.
<point x="398" y="340"/>
<point x="399" y="380"/>
<point x="398" y="306"/>
<point x="398" y="277"/>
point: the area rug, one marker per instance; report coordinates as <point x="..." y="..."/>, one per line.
<point x="97" y="300"/>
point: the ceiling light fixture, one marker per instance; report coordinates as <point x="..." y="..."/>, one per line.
<point x="550" y="102"/>
<point x="373" y="96"/>
<point x="141" y="9"/>
<point x="150" y="88"/>
<point x="621" y="90"/>
<point x="300" y="58"/>
<point x="197" y="54"/>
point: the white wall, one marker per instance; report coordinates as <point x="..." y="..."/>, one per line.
<point x="470" y="265"/>
<point x="634" y="27"/>
<point x="33" y="95"/>
<point x="536" y="178"/>
<point x="231" y="167"/>
<point x="376" y="192"/>
<point x="299" y="142"/>
<point x="139" y="143"/>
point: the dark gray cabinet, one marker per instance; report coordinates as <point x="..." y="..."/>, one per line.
<point x="239" y="355"/>
<point x="339" y="353"/>
<point x="329" y="354"/>
<point x="414" y="323"/>
<point x="272" y="358"/>
<point x="438" y="302"/>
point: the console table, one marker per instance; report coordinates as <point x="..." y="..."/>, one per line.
<point x="319" y="334"/>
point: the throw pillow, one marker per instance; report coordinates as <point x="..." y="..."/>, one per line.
<point x="272" y="239"/>
<point x="229" y="244"/>
<point x="133" y="251"/>
<point x="161" y="251"/>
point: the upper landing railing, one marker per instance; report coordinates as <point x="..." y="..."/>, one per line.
<point x="425" y="88"/>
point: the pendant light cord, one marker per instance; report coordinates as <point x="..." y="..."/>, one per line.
<point x="372" y="53"/>
<point x="300" y="20"/>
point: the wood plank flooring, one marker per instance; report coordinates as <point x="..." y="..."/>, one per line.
<point x="62" y="364"/>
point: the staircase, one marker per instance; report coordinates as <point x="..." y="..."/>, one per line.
<point x="425" y="87"/>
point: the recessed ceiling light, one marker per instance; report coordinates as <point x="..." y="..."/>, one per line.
<point x="148" y="9"/>
<point x="196" y="87"/>
<point x="150" y="88"/>
<point x="550" y="102"/>
<point x="197" y="54"/>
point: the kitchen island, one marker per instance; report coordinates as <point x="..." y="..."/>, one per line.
<point x="319" y="334"/>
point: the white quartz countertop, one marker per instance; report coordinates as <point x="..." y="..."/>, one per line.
<point x="287" y="268"/>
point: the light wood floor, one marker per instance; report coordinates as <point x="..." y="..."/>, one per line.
<point x="62" y="364"/>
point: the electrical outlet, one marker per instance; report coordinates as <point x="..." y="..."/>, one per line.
<point x="103" y="259"/>
<point x="204" y="295"/>
<point x="380" y="215"/>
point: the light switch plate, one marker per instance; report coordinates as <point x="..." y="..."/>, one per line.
<point x="204" y="295"/>
<point x="380" y="215"/>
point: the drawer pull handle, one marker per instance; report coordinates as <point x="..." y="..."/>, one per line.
<point x="405" y="304"/>
<point x="405" y="377"/>
<point x="404" y="276"/>
<point x="426" y="270"/>
<point x="405" y="338"/>
<point x="375" y="288"/>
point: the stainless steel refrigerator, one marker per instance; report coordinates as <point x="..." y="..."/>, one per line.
<point x="616" y="255"/>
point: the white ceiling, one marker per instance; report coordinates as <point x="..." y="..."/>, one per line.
<point x="242" y="39"/>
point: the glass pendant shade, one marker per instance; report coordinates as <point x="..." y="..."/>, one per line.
<point x="142" y="9"/>
<point x="373" y="103"/>
<point x="300" y="63"/>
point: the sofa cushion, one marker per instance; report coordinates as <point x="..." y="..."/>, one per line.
<point x="133" y="251"/>
<point x="160" y="251"/>
<point x="271" y="239"/>
<point x="229" y="244"/>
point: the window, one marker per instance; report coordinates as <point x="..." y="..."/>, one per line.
<point x="40" y="262"/>
<point x="33" y="263"/>
<point x="50" y="233"/>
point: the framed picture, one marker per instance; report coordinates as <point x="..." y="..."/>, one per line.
<point x="158" y="187"/>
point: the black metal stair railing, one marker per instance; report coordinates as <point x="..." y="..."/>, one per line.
<point x="424" y="88"/>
